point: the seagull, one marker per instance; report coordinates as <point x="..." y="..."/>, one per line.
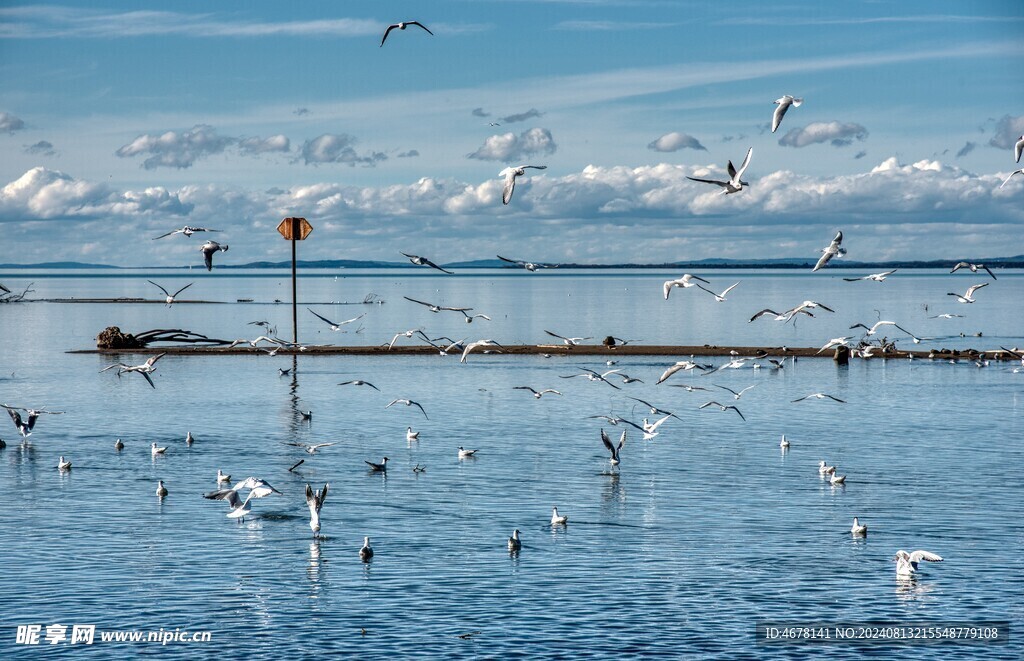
<point x="63" y="464"/>
<point x="825" y="469"/>
<point x="470" y="318"/>
<point x="408" y="402"/>
<point x="569" y="341"/>
<point x="118" y="445"/>
<point x="735" y="394"/>
<point x="208" y="249"/>
<point x="154" y="450"/>
<point x="809" y="304"/>
<point x="510" y="175"/>
<point x="238" y="507"/>
<point x="682" y="282"/>
<point x="688" y="387"/>
<point x="614" y="449"/>
<point x="681" y="365"/>
<point x="402" y="26"/>
<point x="558" y="520"/>
<point x="382" y="467"/>
<point x="537" y="393"/>
<point x="161" y="490"/>
<point x="187" y="230"/>
<point x="315" y="502"/>
<point x="858" y="529"/>
<point x="784" y="444"/>
<point x="170" y="296"/>
<point x="723" y="407"/>
<point x="24" y="427"/>
<point x="336" y="326"/>
<point x="819" y="395"/>
<point x="411" y="435"/>
<point x="946" y="315"/>
<point x="906" y="563"/>
<point x="258" y="488"/>
<point x="834" y="479"/>
<point x="513" y="542"/>
<point x="365" y="553"/>
<point x="835" y="342"/>
<point x="877" y="277"/>
<point x="1007" y="180"/>
<point x="969" y="296"/>
<point x="784" y="103"/>
<point x="719" y="297"/>
<point x="359" y="382"/>
<point x="145" y="369"/>
<point x="594" y="376"/>
<point x="654" y="409"/>
<point x="473" y="345"/>
<point x="408" y="333"/>
<point x="651" y="428"/>
<point x="974" y="268"/>
<point x="529" y="266"/>
<point x="628" y="379"/>
<point x="874" y="329"/>
<point x="833" y="250"/>
<point x="1018" y="147"/>
<point x="423" y="261"/>
<point x="735" y="183"/>
<point x="785" y="316"/>
<point x="465" y="454"/>
<point x="310" y="448"/>
<point x="221" y="477"/>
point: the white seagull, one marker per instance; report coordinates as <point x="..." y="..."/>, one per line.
<point x="222" y="477"/>
<point x="402" y="26"/>
<point x="154" y="450"/>
<point x="907" y="563"/>
<point x="161" y="490"/>
<point x="784" y="443"/>
<point x="680" y="366"/>
<point x="719" y="297"/>
<point x="475" y="345"/>
<point x="359" y="382"/>
<point x="170" y="297"/>
<point x="969" y="296"/>
<point x="874" y="328"/>
<point x="858" y="528"/>
<point x="1007" y="180"/>
<point x="556" y="519"/>
<point x="187" y="230"/>
<point x="833" y="250"/>
<point x="537" y="393"/>
<point x="411" y="435"/>
<point x="208" y="249"/>
<point x="423" y="261"/>
<point x="336" y="326"/>
<point x="877" y="277"/>
<point x="408" y="402"/>
<point x="258" y="488"/>
<point x="594" y="376"/>
<point x="529" y="266"/>
<point x="614" y="449"/>
<point x="723" y="407"/>
<point x="513" y="542"/>
<point x="145" y="369"/>
<point x="974" y="268"/>
<point x="836" y="342"/>
<point x="785" y="316"/>
<point x="63" y="464"/>
<point x="683" y="282"/>
<point x="735" y="183"/>
<point x="568" y="341"/>
<point x="382" y="467"/>
<point x="466" y="454"/>
<point x="365" y="553"/>
<point x="819" y="395"/>
<point x="735" y="394"/>
<point x="315" y="502"/>
<point x="510" y="175"/>
<point x="825" y="469"/>
<point x="651" y="428"/>
<point x="310" y="448"/>
<point x="784" y="103"/>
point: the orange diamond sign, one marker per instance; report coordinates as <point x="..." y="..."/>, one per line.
<point x="297" y="228"/>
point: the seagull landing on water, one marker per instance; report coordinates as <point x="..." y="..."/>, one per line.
<point x="784" y="103"/>
<point x="170" y="296"/>
<point x="208" y="249"/>
<point x="819" y="395"/>
<point x="907" y="563"/>
<point x="683" y="282"/>
<point x="336" y="326"/>
<point x="402" y="26"/>
<point x="408" y="402"/>
<point x="423" y="261"/>
<point x="974" y="268"/>
<point x="614" y="449"/>
<point x="537" y="393"/>
<point x="25" y="426"/>
<point x="187" y="230"/>
<point x="145" y="369"/>
<point x="833" y="250"/>
<point x="510" y="175"/>
<point x="315" y="501"/>
<point x="969" y="296"/>
<point x="735" y="183"/>
<point x="258" y="488"/>
<point x="877" y="277"/>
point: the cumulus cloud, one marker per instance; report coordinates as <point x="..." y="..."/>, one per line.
<point x="41" y="148"/>
<point x="479" y="112"/>
<point x="966" y="149"/>
<point x="1008" y="131"/>
<point x="275" y="143"/>
<point x="175" y="149"/>
<point x="331" y="148"/>
<point x="409" y="154"/>
<point x="522" y="116"/>
<point x="510" y="147"/>
<point x="9" y="123"/>
<point x="839" y="134"/>
<point x="675" y="141"/>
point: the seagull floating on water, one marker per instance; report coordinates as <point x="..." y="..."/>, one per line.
<point x="187" y="230"/>
<point x="858" y="528"/>
<point x="382" y="467"/>
<point x="833" y="250"/>
<point x="411" y="435"/>
<point x="315" y="501"/>
<point x="208" y="249"/>
<point x="735" y="183"/>
<point x="556" y="519"/>
<point x="784" y="103"/>
<point x="969" y="296"/>
<point x="514" y="544"/>
<point x="221" y="477"/>
<point x="118" y="445"/>
<point x="784" y="443"/>
<point x="683" y="282"/>
<point x="161" y="490"/>
<point x="154" y="450"/>
<point x="907" y="563"/>
<point x="63" y="464"/>
<point x="170" y="296"/>
<point x="465" y="454"/>
<point x="510" y="175"/>
<point x="402" y="26"/>
<point x="974" y="268"/>
<point x="365" y="553"/>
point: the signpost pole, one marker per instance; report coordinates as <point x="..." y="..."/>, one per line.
<point x="295" y="310"/>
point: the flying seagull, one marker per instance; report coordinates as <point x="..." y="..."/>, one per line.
<point x="315" y="502"/>
<point x="681" y="365"/>
<point x="187" y="230"/>
<point x="170" y="296"/>
<point x="833" y="250"/>
<point x="437" y="308"/>
<point x="656" y="410"/>
<point x="974" y="268"/>
<point x="735" y="183"/>
<point x="1018" y="148"/>
<point x="208" y="249"/>
<point x="718" y="297"/>
<point x="145" y="369"/>
<point x="877" y="277"/>
<point x="310" y="448"/>
<point x="529" y="266"/>
<point x="874" y="329"/>
<point x="423" y="261"/>
<point x="907" y="563"/>
<point x="1007" y="180"/>
<point x="735" y="394"/>
<point x="473" y="345"/>
<point x="835" y="342"/>
<point x="24" y="427"/>
<point x="359" y="382"/>
<point x="569" y="341"/>
<point x="510" y="175"/>
<point x="785" y="316"/>
<point x="819" y="395"/>
<point x="537" y="393"/>
<point x="683" y="282"/>
<point x="723" y="407"/>
<point x="969" y="296"/>
<point x="594" y="376"/>
<point x="408" y="402"/>
<point x="614" y="449"/>
<point x="336" y="326"/>
<point x="784" y="103"/>
<point x="402" y="26"/>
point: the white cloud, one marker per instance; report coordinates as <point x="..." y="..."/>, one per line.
<point x="509" y="147"/>
<point x="9" y="123"/>
<point x="331" y="148"/>
<point x="838" y="133"/>
<point x="275" y="143"/>
<point x="175" y="149"/>
<point x="1008" y="131"/>
<point x="675" y="141"/>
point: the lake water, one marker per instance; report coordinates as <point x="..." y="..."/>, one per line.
<point x="700" y="532"/>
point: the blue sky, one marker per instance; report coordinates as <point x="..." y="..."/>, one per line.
<point x="123" y="121"/>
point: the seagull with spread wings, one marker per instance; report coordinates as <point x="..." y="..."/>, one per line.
<point x="335" y="326"/>
<point x="423" y="261"/>
<point x="510" y="175"/>
<point x="529" y="266"/>
<point x="208" y="249"/>
<point x="569" y="341"/>
<point x="170" y="296"/>
<point x="833" y="250"/>
<point x="783" y="105"/>
<point x="187" y="230"/>
<point x="974" y="268"/>
<point x="735" y="183"/>
<point x="145" y="369"/>
<point x="408" y="402"/>
<point x="819" y="395"/>
<point x="723" y="407"/>
<point x="969" y="296"/>
<point x="684" y="282"/>
<point x="877" y="277"/>
<point x="537" y="394"/>
<point x="401" y="26"/>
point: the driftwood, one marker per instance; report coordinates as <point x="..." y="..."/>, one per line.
<point x="113" y="338"/>
<point x="7" y="296"/>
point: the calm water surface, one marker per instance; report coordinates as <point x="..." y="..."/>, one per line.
<point x="699" y="533"/>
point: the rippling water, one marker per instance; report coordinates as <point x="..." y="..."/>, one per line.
<point x="700" y="533"/>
